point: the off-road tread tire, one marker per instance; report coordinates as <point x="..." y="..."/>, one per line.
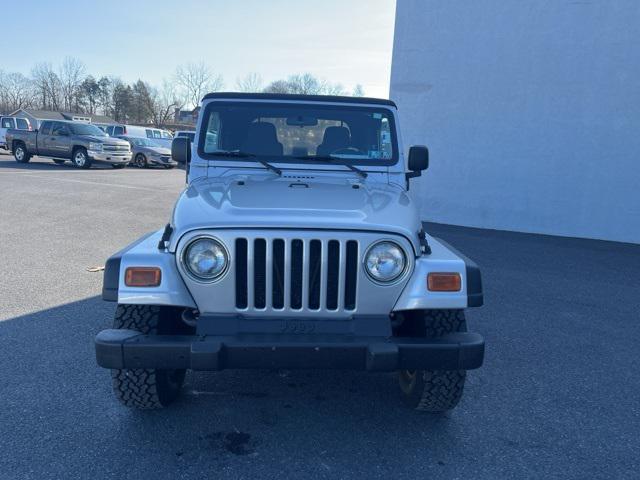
<point x="439" y="391"/>
<point x="441" y="322"/>
<point x="442" y="390"/>
<point x="143" y="388"/>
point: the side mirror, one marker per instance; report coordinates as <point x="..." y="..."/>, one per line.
<point x="418" y="161"/>
<point x="181" y="150"/>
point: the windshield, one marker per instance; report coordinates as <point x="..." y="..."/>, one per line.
<point x="86" y="129"/>
<point x="300" y="132"/>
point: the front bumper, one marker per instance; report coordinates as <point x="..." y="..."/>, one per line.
<point x="158" y="161"/>
<point x="130" y="349"/>
<point x="110" y="157"/>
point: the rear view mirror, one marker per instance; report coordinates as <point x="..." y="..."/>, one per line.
<point x="181" y="150"/>
<point x="418" y="161"/>
<point x="301" y="121"/>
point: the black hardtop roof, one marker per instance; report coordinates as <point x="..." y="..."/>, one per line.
<point x="304" y="98"/>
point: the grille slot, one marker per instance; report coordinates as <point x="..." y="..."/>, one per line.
<point x="260" y="273"/>
<point x="277" y="297"/>
<point x="296" y="274"/>
<point x="312" y="274"/>
<point x="351" y="278"/>
<point x="315" y="264"/>
<point x="241" y="273"/>
<point x="332" y="275"/>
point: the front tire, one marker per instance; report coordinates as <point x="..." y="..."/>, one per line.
<point x="80" y="158"/>
<point x="148" y="388"/>
<point x="20" y="154"/>
<point x="433" y="391"/>
<point x="141" y="161"/>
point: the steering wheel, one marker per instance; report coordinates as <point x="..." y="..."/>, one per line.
<point x="346" y="151"/>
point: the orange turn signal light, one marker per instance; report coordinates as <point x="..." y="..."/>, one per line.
<point x="142" y="277"/>
<point x="444" y="282"/>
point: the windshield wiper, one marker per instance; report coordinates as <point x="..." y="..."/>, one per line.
<point x="240" y="154"/>
<point x="336" y="160"/>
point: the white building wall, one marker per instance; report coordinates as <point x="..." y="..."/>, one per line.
<point x="531" y="111"/>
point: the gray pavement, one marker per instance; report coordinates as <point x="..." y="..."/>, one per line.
<point x="557" y="397"/>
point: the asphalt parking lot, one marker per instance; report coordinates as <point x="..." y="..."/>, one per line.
<point x="557" y="397"/>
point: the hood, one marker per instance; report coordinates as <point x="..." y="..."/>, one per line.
<point x="97" y="139"/>
<point x="296" y="202"/>
<point x="109" y="140"/>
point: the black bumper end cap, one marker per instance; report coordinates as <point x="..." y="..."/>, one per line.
<point x="109" y="347"/>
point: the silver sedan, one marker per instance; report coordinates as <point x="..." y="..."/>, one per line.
<point x="147" y="153"/>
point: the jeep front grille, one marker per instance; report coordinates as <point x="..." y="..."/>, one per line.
<point x="296" y="274"/>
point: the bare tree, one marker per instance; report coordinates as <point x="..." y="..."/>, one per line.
<point x="16" y="91"/>
<point x="278" y="86"/>
<point x="306" y="84"/>
<point x="164" y="102"/>
<point x="252" y="82"/>
<point x="333" y="89"/>
<point x="72" y="72"/>
<point x="196" y="79"/>
<point x="48" y="86"/>
<point x="358" y="91"/>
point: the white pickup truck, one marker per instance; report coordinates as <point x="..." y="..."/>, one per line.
<point x="11" y="122"/>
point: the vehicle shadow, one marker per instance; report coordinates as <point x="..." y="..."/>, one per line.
<point x="556" y="357"/>
<point x="37" y="163"/>
<point x="49" y="370"/>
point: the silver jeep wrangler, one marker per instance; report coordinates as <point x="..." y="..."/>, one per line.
<point x="295" y="244"/>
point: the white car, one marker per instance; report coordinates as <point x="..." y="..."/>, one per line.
<point x="159" y="136"/>
<point x="190" y="134"/>
<point x="11" y="122"/>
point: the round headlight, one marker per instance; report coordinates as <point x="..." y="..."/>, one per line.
<point x="206" y="259"/>
<point x="385" y="262"/>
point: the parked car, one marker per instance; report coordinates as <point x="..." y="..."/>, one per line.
<point x="294" y="245"/>
<point x="147" y="153"/>
<point x="190" y="134"/>
<point x="6" y="123"/>
<point x="82" y="143"/>
<point x="161" y="137"/>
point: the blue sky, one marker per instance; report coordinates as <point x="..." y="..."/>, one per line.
<point x="348" y="41"/>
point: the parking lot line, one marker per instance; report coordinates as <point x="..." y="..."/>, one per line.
<point x="89" y="182"/>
